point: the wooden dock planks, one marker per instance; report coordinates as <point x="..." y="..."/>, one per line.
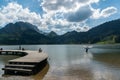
<point x="19" y="65"/>
<point x="31" y="61"/>
<point x="18" y="69"/>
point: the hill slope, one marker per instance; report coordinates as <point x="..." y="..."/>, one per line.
<point x="107" y="32"/>
<point x="21" y="33"/>
<point x="26" y="33"/>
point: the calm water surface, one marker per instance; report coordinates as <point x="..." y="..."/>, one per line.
<point x="70" y="62"/>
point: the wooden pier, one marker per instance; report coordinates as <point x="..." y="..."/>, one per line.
<point x="30" y="62"/>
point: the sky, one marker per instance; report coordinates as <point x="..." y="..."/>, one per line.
<point x="60" y="16"/>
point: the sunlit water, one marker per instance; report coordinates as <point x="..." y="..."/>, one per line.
<point x="71" y="62"/>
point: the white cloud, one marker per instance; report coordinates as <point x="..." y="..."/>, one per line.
<point x="65" y="5"/>
<point x="55" y="29"/>
<point x="80" y="27"/>
<point x="104" y="13"/>
<point x="66" y="13"/>
<point x="109" y="11"/>
<point x="81" y="14"/>
<point x="59" y="16"/>
<point x="72" y="13"/>
<point x="14" y="12"/>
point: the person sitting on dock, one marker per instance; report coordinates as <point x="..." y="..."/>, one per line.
<point x="40" y="50"/>
<point x="23" y="49"/>
<point x="1" y="49"/>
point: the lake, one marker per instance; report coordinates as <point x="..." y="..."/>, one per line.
<point x="71" y="62"/>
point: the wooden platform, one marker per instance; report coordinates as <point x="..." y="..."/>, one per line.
<point x="19" y="65"/>
<point x="17" y="69"/>
<point x="31" y="61"/>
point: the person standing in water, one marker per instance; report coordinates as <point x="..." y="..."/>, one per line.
<point x="40" y="50"/>
<point x="86" y="49"/>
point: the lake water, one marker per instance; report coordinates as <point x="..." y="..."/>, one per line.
<point x="71" y="62"/>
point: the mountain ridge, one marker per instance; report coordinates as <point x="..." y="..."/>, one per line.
<point x="26" y="33"/>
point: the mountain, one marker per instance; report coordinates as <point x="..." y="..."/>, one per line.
<point x="21" y="33"/>
<point x="71" y="38"/>
<point x="52" y="34"/>
<point x="26" y="33"/>
<point x="18" y="27"/>
<point x="107" y="32"/>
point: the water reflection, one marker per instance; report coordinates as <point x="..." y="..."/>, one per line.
<point x="81" y="66"/>
<point x="3" y="60"/>
<point x="42" y="73"/>
<point x="84" y="69"/>
<point x="70" y="62"/>
<point x="112" y="59"/>
<point x="102" y="71"/>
